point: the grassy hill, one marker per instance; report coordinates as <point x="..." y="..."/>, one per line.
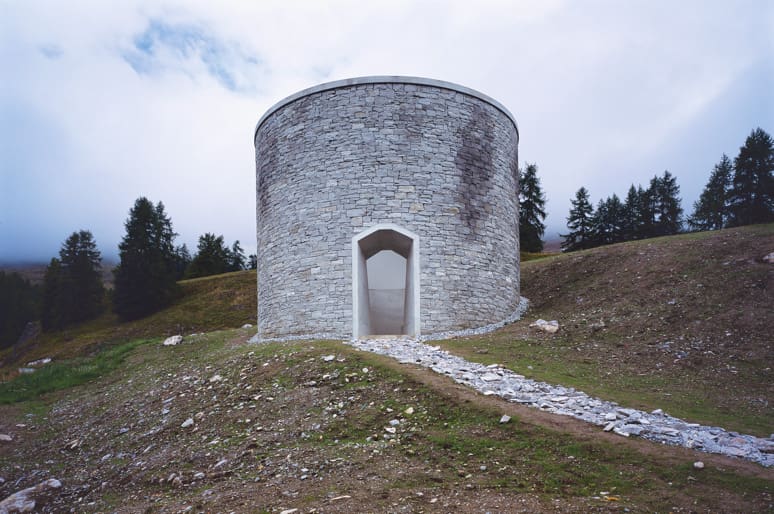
<point x="681" y="323"/>
<point x="278" y="427"/>
<point x="205" y="304"/>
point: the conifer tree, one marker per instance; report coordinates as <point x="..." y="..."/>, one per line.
<point x="633" y="220"/>
<point x="182" y="260"/>
<point x="19" y="304"/>
<point x="751" y="199"/>
<point x="667" y="213"/>
<point x="580" y="223"/>
<point x="532" y="212"/>
<point x="710" y="211"/>
<point x="212" y="257"/>
<point x="51" y="316"/>
<point x="73" y="288"/>
<point x="145" y="277"/>
<point x="647" y="225"/>
<point x="607" y="221"/>
<point x="237" y="259"/>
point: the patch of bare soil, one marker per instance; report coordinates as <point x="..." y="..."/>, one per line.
<point x="692" y="311"/>
<point x="710" y="292"/>
<point x="228" y="427"/>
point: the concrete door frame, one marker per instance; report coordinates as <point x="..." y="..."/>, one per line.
<point x="384" y="236"/>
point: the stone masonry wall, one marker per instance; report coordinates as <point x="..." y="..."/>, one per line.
<point x="429" y="157"/>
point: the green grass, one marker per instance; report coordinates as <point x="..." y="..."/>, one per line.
<point x="454" y="438"/>
<point x="204" y="305"/>
<point x="65" y="374"/>
<point x="530" y="256"/>
<point x="706" y="293"/>
<point x="441" y="446"/>
<point x="679" y="393"/>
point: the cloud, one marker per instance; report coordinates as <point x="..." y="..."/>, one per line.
<point x="109" y="101"/>
<point x="185" y="48"/>
<point x="51" y="51"/>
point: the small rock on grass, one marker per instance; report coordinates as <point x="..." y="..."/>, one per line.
<point x="187" y="423"/>
<point x="698" y="464"/>
<point x="546" y="326"/>
<point x="30" y="499"/>
<point x="172" y="341"/>
<point x="505" y="419"/>
<point x="5" y="438"/>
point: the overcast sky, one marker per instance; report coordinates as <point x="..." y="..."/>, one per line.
<point x="102" y="102"/>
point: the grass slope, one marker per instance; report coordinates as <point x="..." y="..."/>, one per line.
<point x="278" y="427"/>
<point x="681" y="323"/>
<point x="205" y="304"/>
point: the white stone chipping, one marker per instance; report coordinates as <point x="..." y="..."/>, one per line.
<point x="173" y="340"/>
<point x="496" y="380"/>
<point x="655" y="426"/>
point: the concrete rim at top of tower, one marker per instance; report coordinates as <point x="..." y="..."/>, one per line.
<point x="384" y="79"/>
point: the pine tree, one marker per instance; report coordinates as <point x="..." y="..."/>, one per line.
<point x="667" y="213"/>
<point x="51" y="316"/>
<point x="182" y="260"/>
<point x="73" y="288"/>
<point x="19" y="304"/>
<point x="607" y="222"/>
<point x="81" y="262"/>
<point x="252" y="261"/>
<point x="580" y="223"/>
<point x="532" y="212"/>
<point x="145" y="277"/>
<point x="212" y="257"/>
<point x="751" y="199"/>
<point x="710" y="212"/>
<point x="648" y="206"/>
<point x="237" y="259"/>
<point x="633" y="219"/>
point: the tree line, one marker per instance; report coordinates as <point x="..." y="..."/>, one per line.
<point x="738" y="193"/>
<point x="146" y="277"/>
<point x="645" y="212"/>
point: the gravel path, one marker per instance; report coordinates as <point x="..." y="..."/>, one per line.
<point x="496" y="380"/>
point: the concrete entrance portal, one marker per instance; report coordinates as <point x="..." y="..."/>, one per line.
<point x="386" y="292"/>
<point x="385" y="310"/>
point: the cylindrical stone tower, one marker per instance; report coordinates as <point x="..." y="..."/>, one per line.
<point x="424" y="168"/>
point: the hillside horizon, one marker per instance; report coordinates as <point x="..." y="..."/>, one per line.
<point x="679" y="323"/>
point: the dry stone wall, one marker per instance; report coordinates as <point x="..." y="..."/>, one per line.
<point x="434" y="158"/>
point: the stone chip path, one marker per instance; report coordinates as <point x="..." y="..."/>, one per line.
<point x="496" y="380"/>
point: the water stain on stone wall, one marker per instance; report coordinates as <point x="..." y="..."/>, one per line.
<point x="474" y="161"/>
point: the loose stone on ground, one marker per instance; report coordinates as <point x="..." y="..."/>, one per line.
<point x="655" y="426"/>
<point x="30" y="499"/>
<point x="173" y="340"/>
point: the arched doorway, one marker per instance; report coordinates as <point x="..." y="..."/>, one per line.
<point x="385" y="310"/>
